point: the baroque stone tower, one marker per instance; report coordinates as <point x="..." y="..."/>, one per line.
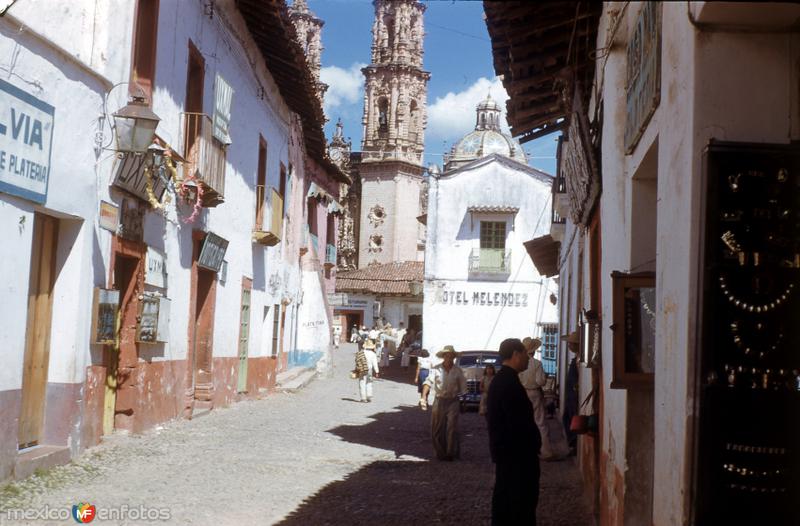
<point x="391" y="160"/>
<point x="309" y="33"/>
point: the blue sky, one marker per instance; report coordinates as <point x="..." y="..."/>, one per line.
<point x="457" y="54"/>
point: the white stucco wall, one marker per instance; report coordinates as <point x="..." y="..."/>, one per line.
<point x="702" y="97"/>
<point x="452" y="313"/>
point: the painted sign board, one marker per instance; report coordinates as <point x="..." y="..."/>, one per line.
<point x="156" y="268"/>
<point x="26" y="139"/>
<point x="109" y="216"/>
<point x="338" y="299"/>
<point x="213" y="252"/>
<point x="104" y="316"/>
<point x="643" y="91"/>
<point x="129" y="174"/>
<point x="153" y="326"/>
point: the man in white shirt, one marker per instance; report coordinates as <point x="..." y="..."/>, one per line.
<point x="533" y="380"/>
<point x="447" y="381"/>
<point x="365" y="382"/>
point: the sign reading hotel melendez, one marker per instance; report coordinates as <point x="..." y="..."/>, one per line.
<point x="26" y="135"/>
<point x="490" y="299"/>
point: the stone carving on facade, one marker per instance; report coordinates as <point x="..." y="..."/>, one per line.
<point x="375" y="243"/>
<point x="376" y="216"/>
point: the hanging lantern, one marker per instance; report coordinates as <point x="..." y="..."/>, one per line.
<point x="135" y="125"/>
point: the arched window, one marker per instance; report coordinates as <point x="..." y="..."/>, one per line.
<point x="383" y="114"/>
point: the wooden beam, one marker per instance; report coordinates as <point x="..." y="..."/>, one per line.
<point x="547" y="129"/>
<point x="520" y="115"/>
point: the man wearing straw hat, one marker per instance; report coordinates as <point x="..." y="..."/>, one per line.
<point x="447" y="381"/>
<point x="365" y="379"/>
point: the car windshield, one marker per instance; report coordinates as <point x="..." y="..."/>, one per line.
<point x="480" y="360"/>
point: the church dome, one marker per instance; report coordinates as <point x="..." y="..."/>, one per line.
<point x="485" y="139"/>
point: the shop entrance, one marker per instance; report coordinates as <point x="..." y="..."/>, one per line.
<point x="204" y="334"/>
<point x="122" y="358"/>
<point x="37" y="338"/>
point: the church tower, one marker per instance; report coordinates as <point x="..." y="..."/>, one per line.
<point x="309" y="34"/>
<point x="390" y="167"/>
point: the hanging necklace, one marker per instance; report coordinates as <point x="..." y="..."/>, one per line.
<point x="752" y="307"/>
<point x="737" y="339"/>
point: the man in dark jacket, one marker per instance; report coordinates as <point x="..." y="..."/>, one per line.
<point x="514" y="441"/>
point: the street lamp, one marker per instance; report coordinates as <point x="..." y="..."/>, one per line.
<point x="135" y="124"/>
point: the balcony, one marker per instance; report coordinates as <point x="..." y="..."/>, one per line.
<point x="205" y="157"/>
<point x="560" y="207"/>
<point x="492" y="261"/>
<point x="268" y="235"/>
<point x="330" y="256"/>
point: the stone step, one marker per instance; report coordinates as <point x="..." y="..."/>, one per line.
<point x="39" y="457"/>
<point x="294" y="379"/>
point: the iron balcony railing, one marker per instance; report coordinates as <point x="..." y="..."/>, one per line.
<point x="490" y="260"/>
<point x="205" y="157"/>
<point x="330" y="254"/>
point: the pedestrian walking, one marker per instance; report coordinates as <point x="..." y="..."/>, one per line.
<point x="423" y="369"/>
<point x="365" y="381"/>
<point x="533" y="380"/>
<point x="337" y="335"/>
<point x="514" y="441"/>
<point x="447" y="381"/>
<point x="486" y="381"/>
<point x="403" y="346"/>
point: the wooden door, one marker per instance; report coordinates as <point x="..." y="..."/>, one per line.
<point x="122" y="357"/>
<point x="244" y="334"/>
<point x="37" y="338"/>
<point x="204" y="334"/>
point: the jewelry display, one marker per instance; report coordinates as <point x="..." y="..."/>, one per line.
<point x="745" y="472"/>
<point x="733" y="182"/>
<point x="730" y="241"/>
<point x="750" y="307"/>
<point x="759" y="450"/>
<point x="754" y="489"/>
<point x="751" y="351"/>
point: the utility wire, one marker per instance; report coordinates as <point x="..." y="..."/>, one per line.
<point x="476" y="37"/>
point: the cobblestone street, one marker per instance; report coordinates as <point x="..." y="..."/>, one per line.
<point x="313" y="457"/>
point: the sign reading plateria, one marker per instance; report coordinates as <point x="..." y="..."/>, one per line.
<point x="26" y="135"/>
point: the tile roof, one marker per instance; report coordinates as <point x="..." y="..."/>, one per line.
<point x="488" y="209"/>
<point x="387" y="278"/>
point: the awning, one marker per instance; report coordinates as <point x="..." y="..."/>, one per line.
<point x="500" y="209"/>
<point x="544" y="254"/>
<point x="334" y="207"/>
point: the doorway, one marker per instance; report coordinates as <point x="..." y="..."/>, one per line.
<point x="244" y="334"/>
<point x="37" y="338"/>
<point x="122" y="358"/>
<point x="415" y="322"/>
<point x="203" y="379"/>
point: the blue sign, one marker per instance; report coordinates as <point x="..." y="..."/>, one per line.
<point x="26" y="137"/>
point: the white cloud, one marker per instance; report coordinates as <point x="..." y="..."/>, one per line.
<point x="345" y="86"/>
<point x="453" y="116"/>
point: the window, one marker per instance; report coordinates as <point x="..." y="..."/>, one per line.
<point x="195" y="75"/>
<point x="145" y="37"/>
<point x="276" y="310"/>
<point x="493" y="234"/>
<point x="261" y="179"/>
<point x="634" y="326"/>
<point x="330" y="231"/>
<point x="492" y="245"/>
<point x="549" y="347"/>
<point x="383" y="115"/>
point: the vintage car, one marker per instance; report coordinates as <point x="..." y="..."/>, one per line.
<point x="473" y="364"/>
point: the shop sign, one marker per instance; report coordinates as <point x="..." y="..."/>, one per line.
<point x="104" y="316"/>
<point x="109" y="216"/>
<point x="129" y="174"/>
<point x="156" y="268"/>
<point x="213" y="252"/>
<point x="338" y="299"/>
<point x="153" y="326"/>
<point x="489" y="299"/>
<point x="577" y="164"/>
<point x="26" y="138"/>
<point x="643" y="87"/>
